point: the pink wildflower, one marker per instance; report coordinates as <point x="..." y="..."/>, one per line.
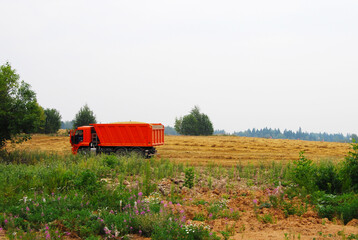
<point x="140" y="194"/>
<point x="254" y="201"/>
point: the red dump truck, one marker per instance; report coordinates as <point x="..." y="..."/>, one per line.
<point x="119" y="138"/>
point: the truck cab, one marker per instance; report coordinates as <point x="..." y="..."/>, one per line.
<point x="80" y="138"/>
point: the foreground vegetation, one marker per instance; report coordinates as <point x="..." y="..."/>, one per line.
<point x="48" y="196"/>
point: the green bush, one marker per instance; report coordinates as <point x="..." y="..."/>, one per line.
<point x="327" y="178"/>
<point x="349" y="172"/>
<point x="87" y="181"/>
<point x="344" y="206"/>
<point x="303" y="173"/>
<point x="189" y="177"/>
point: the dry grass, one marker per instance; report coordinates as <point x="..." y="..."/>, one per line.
<point x="230" y="150"/>
<point x="224" y="150"/>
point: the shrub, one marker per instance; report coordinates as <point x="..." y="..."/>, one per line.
<point x="303" y="173"/>
<point x="87" y="181"/>
<point x="343" y="206"/>
<point x="327" y="179"/>
<point x="350" y="170"/>
<point x="189" y="177"/>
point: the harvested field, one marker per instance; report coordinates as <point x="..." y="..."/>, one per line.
<point x="224" y="150"/>
<point x="231" y="150"/>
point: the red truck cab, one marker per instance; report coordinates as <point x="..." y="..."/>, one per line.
<point x="80" y="138"/>
<point x="119" y="138"/>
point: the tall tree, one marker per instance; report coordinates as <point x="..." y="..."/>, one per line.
<point x="19" y="111"/>
<point x="195" y="124"/>
<point x="84" y="117"/>
<point x="53" y="121"/>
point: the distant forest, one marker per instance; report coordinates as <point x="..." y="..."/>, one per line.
<point x="288" y="134"/>
<point x="67" y="124"/>
<point x="170" y="131"/>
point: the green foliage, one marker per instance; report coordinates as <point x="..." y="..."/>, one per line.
<point x="199" y="217"/>
<point x="87" y="181"/>
<point x="75" y="193"/>
<point x="195" y="124"/>
<point x="266" y="218"/>
<point x="349" y="171"/>
<point x="343" y="206"/>
<point x="200" y="202"/>
<point x="303" y="173"/>
<point x="170" y="230"/>
<point x="189" y="177"/>
<point x="19" y="110"/>
<point x="84" y="117"/>
<point x="52" y="122"/>
<point x="333" y="187"/>
<point x="326" y="178"/>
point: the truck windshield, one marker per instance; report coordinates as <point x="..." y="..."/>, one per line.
<point x="79" y="135"/>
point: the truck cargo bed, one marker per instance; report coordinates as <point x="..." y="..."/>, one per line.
<point x="130" y="134"/>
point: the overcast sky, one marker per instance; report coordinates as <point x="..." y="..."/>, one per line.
<point x="246" y="64"/>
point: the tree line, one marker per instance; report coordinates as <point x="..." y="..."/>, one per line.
<point x="21" y="115"/>
<point x="289" y="134"/>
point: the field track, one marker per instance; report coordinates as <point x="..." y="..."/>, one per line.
<point x="223" y="150"/>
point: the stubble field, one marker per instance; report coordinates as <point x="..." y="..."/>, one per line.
<point x="222" y="150"/>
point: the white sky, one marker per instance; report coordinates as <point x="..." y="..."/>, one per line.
<point x="246" y="64"/>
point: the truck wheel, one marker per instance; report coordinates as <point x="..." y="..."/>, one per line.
<point x="84" y="151"/>
<point x="139" y="152"/>
<point x="121" y="152"/>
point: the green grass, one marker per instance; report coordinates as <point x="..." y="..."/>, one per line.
<point x="85" y="196"/>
